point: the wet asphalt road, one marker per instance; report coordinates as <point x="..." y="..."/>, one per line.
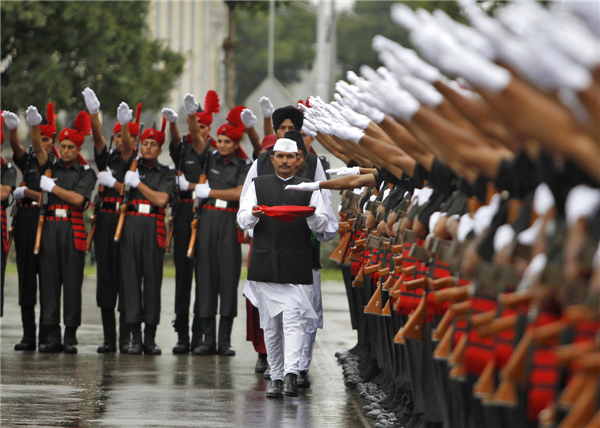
<point x="114" y="390"/>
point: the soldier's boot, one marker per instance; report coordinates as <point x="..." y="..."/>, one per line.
<point x="124" y="334"/>
<point x="182" y="327"/>
<point x="52" y="340"/>
<point x="109" y="326"/>
<point x="197" y="334"/>
<point x="150" y="346"/>
<point x="70" y="340"/>
<point x="136" y="339"/>
<point x="209" y="345"/>
<point x="225" y="327"/>
<point x="27" y="343"/>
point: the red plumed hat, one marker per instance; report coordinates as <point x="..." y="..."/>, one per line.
<point x="134" y="127"/>
<point x="306" y="103"/>
<point x="234" y="128"/>
<point x="48" y="129"/>
<point x="78" y="129"/>
<point x="211" y="105"/>
<point x="155" y="134"/>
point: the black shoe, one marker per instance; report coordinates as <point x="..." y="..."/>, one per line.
<point x="303" y="381"/>
<point x="136" y="349"/>
<point x="181" y="348"/>
<point x="204" y="350"/>
<point x="290" y="385"/>
<point x="267" y="373"/>
<point x="51" y="347"/>
<point x="261" y="364"/>
<point x="69" y="348"/>
<point x="275" y="389"/>
<point x="227" y="351"/>
<point x="152" y="349"/>
<point x="124" y="347"/>
<point x="25" y="346"/>
<point x="106" y="348"/>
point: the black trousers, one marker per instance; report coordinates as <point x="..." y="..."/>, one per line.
<point x="109" y="281"/>
<point x="27" y="262"/>
<point x="142" y="270"/>
<point x="2" y="290"/>
<point x="61" y="265"/>
<point x="218" y="264"/>
<point x="184" y="266"/>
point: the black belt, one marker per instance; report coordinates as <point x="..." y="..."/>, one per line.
<point x="111" y="206"/>
<point x="62" y="213"/>
<point x="186" y="195"/>
<point x="213" y="201"/>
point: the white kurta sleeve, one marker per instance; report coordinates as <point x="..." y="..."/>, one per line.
<point x="244" y="216"/>
<point x="332" y="225"/>
<point x="252" y="174"/>
<point x="318" y="221"/>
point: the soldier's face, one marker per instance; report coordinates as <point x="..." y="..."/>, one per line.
<point x="150" y="149"/>
<point x="301" y="161"/>
<point x="285" y="126"/>
<point x="284" y="163"/>
<point x="226" y="146"/>
<point x="117" y="141"/>
<point x="68" y="151"/>
<point x="47" y="144"/>
<point x="204" y="129"/>
<point x="308" y="140"/>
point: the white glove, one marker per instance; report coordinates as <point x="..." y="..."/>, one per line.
<point x="403" y="16"/>
<point x="47" y="184"/>
<point x="124" y="113"/>
<point x="20" y="193"/>
<point x="11" y="119"/>
<point x="202" y="191"/>
<point x="184" y="185"/>
<point x="466" y="35"/>
<point x="422" y="91"/>
<point x="349" y="133"/>
<point x="408" y="58"/>
<point x="322" y="127"/>
<point x="105" y="178"/>
<point x="33" y="117"/>
<point x="170" y="115"/>
<point x="355" y="119"/>
<point x="248" y="118"/>
<point x="190" y="104"/>
<point x="307" y="130"/>
<point x="304" y="187"/>
<point x="91" y="100"/>
<point x="132" y="178"/>
<point x="340" y="172"/>
<point x="266" y="107"/>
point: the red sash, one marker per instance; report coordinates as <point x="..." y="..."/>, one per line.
<point x="161" y="229"/>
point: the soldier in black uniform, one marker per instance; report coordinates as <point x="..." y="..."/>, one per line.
<point x="26" y="219"/>
<point x="63" y="243"/>
<point x="112" y="163"/>
<point x="218" y="248"/>
<point x="143" y="239"/>
<point x="187" y="162"/>
<point x="9" y="182"/>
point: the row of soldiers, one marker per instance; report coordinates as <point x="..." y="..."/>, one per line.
<point x="470" y="241"/>
<point x="128" y="229"/>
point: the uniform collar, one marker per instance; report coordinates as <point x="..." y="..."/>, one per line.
<point x="156" y="166"/>
<point x="234" y="159"/>
<point x="285" y="179"/>
<point x="75" y="164"/>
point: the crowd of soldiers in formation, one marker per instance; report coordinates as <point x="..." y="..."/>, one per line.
<point x="471" y="218"/>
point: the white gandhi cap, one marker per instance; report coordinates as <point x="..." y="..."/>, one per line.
<point x="285" y="145"/>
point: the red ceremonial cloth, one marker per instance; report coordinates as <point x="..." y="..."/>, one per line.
<point x="286" y="212"/>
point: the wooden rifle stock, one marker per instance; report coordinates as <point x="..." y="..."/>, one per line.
<point x="133" y="167"/>
<point x="194" y="225"/>
<point x="94" y="219"/>
<point x="38" y="236"/>
<point x="413" y="329"/>
<point x="339" y="253"/>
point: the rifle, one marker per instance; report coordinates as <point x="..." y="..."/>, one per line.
<point x="197" y="210"/>
<point x="99" y="201"/>
<point x="126" y="190"/>
<point x="175" y="204"/>
<point x="43" y="205"/>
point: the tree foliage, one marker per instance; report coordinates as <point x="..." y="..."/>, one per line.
<point x="356" y="29"/>
<point x="52" y="50"/>
<point x="295" y="24"/>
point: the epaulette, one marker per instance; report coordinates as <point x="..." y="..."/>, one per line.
<point x="86" y="167"/>
<point x="171" y="167"/>
<point x="215" y="151"/>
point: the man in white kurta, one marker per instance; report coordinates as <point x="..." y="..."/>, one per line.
<point x="285" y="304"/>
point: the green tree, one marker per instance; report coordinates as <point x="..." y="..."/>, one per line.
<point x="52" y="50"/>
<point x="357" y="28"/>
<point x="295" y="25"/>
